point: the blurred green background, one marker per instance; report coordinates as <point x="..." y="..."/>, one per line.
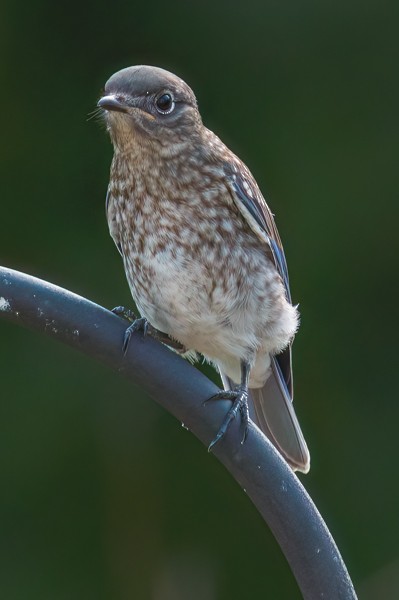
<point x="307" y="93"/>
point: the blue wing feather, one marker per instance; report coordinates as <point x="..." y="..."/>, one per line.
<point x="249" y="194"/>
<point x="251" y="197"/>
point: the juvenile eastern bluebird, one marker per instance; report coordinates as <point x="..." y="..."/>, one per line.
<point x="201" y="251"/>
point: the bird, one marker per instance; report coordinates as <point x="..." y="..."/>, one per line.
<point x="201" y="251"/>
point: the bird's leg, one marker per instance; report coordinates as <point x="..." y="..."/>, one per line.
<point x="136" y="324"/>
<point x="239" y="396"/>
<point x="141" y="324"/>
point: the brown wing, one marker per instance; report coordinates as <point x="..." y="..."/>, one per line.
<point x="254" y="208"/>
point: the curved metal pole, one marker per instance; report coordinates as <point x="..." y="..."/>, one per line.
<point x="181" y="389"/>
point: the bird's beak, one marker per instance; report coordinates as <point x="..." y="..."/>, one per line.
<point x="112" y="103"/>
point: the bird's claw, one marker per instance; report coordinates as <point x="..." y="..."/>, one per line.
<point x="137" y="324"/>
<point x="140" y="324"/>
<point x="125" y="313"/>
<point x="239" y="396"/>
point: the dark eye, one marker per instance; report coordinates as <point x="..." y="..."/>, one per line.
<point x="165" y="103"/>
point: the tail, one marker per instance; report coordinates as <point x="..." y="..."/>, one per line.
<point x="272" y="410"/>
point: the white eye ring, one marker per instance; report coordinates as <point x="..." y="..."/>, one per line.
<point x="164" y="103"/>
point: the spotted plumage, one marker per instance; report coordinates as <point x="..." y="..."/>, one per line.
<point x="199" y="245"/>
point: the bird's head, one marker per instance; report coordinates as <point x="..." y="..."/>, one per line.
<point x="148" y="104"/>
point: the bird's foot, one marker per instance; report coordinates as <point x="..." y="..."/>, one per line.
<point x="137" y="324"/>
<point x="125" y="313"/>
<point x="140" y="323"/>
<point x="239" y="396"/>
